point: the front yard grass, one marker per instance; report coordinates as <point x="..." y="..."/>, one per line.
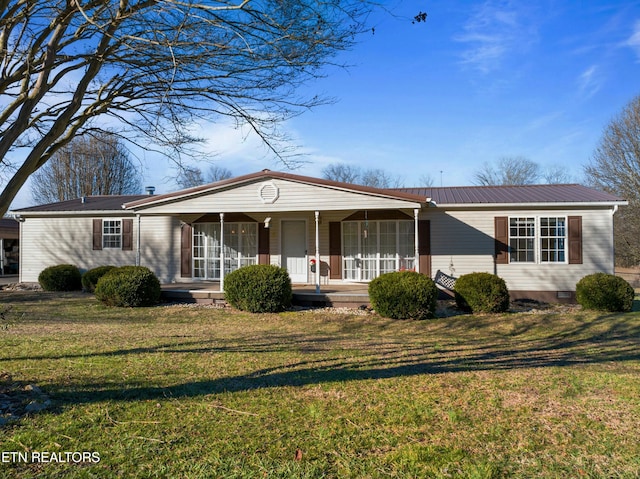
<point x="194" y="392"/>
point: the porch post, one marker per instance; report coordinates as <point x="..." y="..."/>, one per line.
<point x="138" y="246"/>
<point x="221" y="252"/>
<point x="318" y="268"/>
<point x="416" y="261"/>
<point x="1" y="256"/>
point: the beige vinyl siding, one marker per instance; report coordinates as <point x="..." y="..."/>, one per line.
<point x="49" y="241"/>
<point x="463" y="242"/>
<point x="292" y="197"/>
<point x="160" y="246"/>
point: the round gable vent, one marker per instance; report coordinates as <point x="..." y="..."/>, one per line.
<point x="268" y="192"/>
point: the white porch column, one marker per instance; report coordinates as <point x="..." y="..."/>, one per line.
<point x="318" y="268"/>
<point x="221" y="252"/>
<point x="416" y="211"/>
<point x="138" y="244"/>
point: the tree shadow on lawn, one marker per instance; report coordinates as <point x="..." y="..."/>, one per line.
<point x="592" y="342"/>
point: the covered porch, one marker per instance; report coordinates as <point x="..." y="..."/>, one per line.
<point x="352" y="295"/>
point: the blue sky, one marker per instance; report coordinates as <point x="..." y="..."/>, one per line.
<point x="478" y="81"/>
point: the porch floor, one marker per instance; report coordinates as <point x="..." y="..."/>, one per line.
<point x="337" y="295"/>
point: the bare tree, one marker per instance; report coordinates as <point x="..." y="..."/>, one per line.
<point x="91" y="165"/>
<point x="554" y="175"/>
<point x="374" y="177"/>
<point x="379" y="178"/>
<point x="157" y="66"/>
<point x="515" y="170"/>
<point x="218" y="173"/>
<point x="190" y="176"/>
<point x="615" y="167"/>
<point x="341" y="172"/>
<point x="426" y="180"/>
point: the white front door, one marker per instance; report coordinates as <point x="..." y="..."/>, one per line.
<point x="294" y="249"/>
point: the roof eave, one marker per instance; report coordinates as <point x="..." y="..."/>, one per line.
<point x="557" y="204"/>
<point x="32" y="214"/>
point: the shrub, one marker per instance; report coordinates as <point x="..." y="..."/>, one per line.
<point x="604" y="292"/>
<point x="62" y="277"/>
<point x="128" y="286"/>
<point x="403" y="295"/>
<point x="258" y="288"/>
<point x="481" y="293"/>
<point x="90" y="278"/>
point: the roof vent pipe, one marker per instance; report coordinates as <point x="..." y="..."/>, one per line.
<point x="83" y="199"/>
<point x="150" y="190"/>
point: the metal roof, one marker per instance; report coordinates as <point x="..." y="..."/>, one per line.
<point x="448" y="195"/>
<point x="520" y="194"/>
<point x="89" y="203"/>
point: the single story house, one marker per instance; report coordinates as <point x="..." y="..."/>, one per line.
<point x="541" y="239"/>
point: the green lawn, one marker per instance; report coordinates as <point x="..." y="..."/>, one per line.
<point x="194" y="392"/>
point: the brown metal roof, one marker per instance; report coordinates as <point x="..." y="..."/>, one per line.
<point x="571" y="193"/>
<point x="454" y="195"/>
<point x="91" y="203"/>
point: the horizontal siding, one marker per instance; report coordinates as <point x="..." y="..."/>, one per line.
<point x="160" y="246"/>
<point x="462" y="242"/>
<point x="52" y="241"/>
<point x="293" y="196"/>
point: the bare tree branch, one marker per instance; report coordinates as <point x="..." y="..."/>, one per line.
<point x="615" y="167"/>
<point x="157" y="67"/>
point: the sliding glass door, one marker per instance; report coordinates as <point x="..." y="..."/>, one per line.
<point x="240" y="248"/>
<point x="371" y="248"/>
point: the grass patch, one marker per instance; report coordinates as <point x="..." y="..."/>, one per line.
<point x="197" y="393"/>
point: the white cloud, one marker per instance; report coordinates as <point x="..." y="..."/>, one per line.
<point x="495" y="30"/>
<point x="634" y="39"/>
<point x="590" y="81"/>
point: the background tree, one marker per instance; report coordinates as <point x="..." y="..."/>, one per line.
<point x="515" y="170"/>
<point x="88" y="165"/>
<point x="193" y="176"/>
<point x="374" y="177"/>
<point x="341" y="172"/>
<point x="615" y="168"/>
<point x="157" y="67"/>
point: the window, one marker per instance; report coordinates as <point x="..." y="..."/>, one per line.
<point x="537" y="240"/>
<point x="552" y="236"/>
<point x="371" y="248"/>
<point x="521" y="240"/>
<point x="111" y="233"/>
<point x="240" y="248"/>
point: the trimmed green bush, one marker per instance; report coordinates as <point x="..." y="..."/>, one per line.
<point x="604" y="292"/>
<point x="62" y="277"/>
<point x="90" y="278"/>
<point x="481" y="293"/>
<point x="128" y="286"/>
<point x="259" y="288"/>
<point x="403" y="295"/>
